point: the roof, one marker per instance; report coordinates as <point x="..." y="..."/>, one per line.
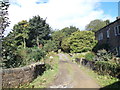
<point x="108" y="25"/>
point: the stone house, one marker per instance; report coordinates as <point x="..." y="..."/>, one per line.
<point x="110" y="35"/>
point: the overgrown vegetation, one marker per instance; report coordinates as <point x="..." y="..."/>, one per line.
<point x="51" y="61"/>
<point x="25" y="43"/>
<point x="103" y="62"/>
<point x="79" y="41"/>
<point x="105" y="81"/>
<point x="29" y="42"/>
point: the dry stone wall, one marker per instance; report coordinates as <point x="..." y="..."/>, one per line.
<point x="14" y="77"/>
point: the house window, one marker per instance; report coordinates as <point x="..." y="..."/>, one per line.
<point x="100" y="36"/>
<point x="108" y="33"/>
<point x="117" y="30"/>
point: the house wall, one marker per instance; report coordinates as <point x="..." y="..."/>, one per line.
<point x="14" y="77"/>
<point x="113" y="41"/>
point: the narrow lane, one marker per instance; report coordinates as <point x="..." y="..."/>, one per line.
<point x="71" y="76"/>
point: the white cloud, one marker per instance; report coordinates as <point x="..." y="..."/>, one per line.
<point x="59" y="13"/>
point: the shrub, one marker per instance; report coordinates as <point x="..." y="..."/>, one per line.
<point x="50" y="46"/>
<point x="89" y="56"/>
<point x="22" y="57"/>
<point x="103" y="55"/>
<point x="37" y="54"/>
<point x="105" y="67"/>
<point x="79" y="41"/>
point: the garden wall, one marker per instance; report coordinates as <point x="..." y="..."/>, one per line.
<point x="101" y="67"/>
<point x="14" y="77"/>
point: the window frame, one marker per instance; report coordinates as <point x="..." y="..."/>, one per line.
<point x="100" y="36"/>
<point x="115" y="30"/>
<point x="108" y="33"/>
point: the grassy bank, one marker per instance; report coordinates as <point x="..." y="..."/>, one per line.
<point x="48" y="76"/>
<point x="103" y="81"/>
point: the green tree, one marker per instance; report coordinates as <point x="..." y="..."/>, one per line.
<point x="3" y="16"/>
<point x="80" y="41"/>
<point x="51" y="45"/>
<point x="58" y="36"/>
<point x="39" y="30"/>
<point x="69" y="30"/>
<point x="21" y="31"/>
<point x="95" y="25"/>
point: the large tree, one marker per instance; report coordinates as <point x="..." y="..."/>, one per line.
<point x="58" y="36"/>
<point x="39" y="30"/>
<point x="95" y="25"/>
<point x="69" y="30"/>
<point x="21" y="31"/>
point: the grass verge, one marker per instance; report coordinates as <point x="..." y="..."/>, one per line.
<point x="48" y="76"/>
<point x="103" y="81"/>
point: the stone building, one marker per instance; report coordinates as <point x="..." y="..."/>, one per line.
<point x="110" y="35"/>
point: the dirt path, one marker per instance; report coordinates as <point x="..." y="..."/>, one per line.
<point x="71" y="76"/>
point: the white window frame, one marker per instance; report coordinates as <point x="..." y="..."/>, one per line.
<point x="108" y="33"/>
<point x="115" y="30"/>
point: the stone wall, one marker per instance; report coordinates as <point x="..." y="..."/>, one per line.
<point x="14" y="77"/>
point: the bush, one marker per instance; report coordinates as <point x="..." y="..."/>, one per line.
<point x="22" y="57"/>
<point x="50" y="46"/>
<point x="89" y="56"/>
<point x="103" y="55"/>
<point x="36" y="54"/>
<point x="105" y="67"/>
<point x="79" y="41"/>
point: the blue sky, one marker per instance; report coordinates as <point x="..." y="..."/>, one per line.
<point x="110" y="8"/>
<point x="63" y="13"/>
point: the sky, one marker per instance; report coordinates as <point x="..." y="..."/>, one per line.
<point x="63" y="13"/>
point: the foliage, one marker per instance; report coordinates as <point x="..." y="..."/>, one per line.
<point x="20" y="31"/>
<point x="78" y="55"/>
<point x="35" y="54"/>
<point x="24" y="34"/>
<point x="50" y="46"/>
<point x="3" y="24"/>
<point x="89" y="56"/>
<point x="58" y="36"/>
<point x="107" y="68"/>
<point x="17" y="57"/>
<point x="9" y="52"/>
<point x="3" y="16"/>
<point x="66" y="44"/>
<point x="39" y="31"/>
<point x="103" y="55"/>
<point x="69" y="30"/>
<point x="102" y="80"/>
<point x="48" y="76"/>
<point x="80" y="41"/>
<point x="30" y="55"/>
<point x="95" y="25"/>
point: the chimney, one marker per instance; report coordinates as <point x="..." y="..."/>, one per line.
<point x="118" y="17"/>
